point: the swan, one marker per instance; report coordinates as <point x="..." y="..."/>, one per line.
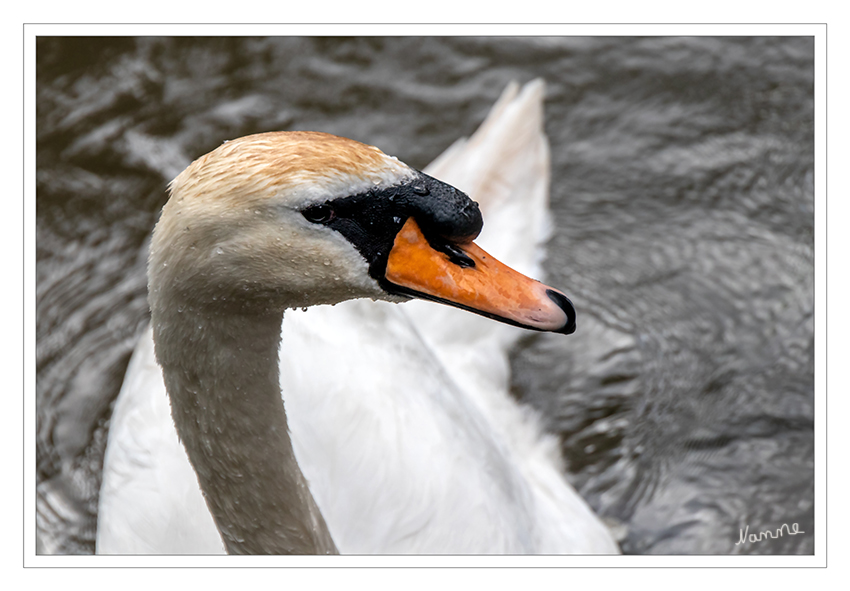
<point x="404" y="438"/>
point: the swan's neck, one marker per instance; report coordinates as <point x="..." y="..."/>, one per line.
<point x="221" y="373"/>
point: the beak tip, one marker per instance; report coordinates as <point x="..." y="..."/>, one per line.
<point x="564" y="303"/>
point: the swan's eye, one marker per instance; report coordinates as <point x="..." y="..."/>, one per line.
<point x="319" y="214"/>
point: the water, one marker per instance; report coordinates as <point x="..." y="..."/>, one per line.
<point x="683" y="196"/>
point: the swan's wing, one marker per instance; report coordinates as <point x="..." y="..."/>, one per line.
<point x="398" y="459"/>
<point x="505" y="166"/>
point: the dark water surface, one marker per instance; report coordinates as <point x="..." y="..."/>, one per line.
<point x="683" y="196"/>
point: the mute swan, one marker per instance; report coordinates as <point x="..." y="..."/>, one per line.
<point x="421" y="451"/>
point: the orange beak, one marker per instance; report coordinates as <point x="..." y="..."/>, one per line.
<point x="467" y="277"/>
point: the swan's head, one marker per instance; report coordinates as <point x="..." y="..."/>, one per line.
<point x="292" y="219"/>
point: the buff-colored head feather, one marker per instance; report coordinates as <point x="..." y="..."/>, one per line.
<point x="300" y="164"/>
